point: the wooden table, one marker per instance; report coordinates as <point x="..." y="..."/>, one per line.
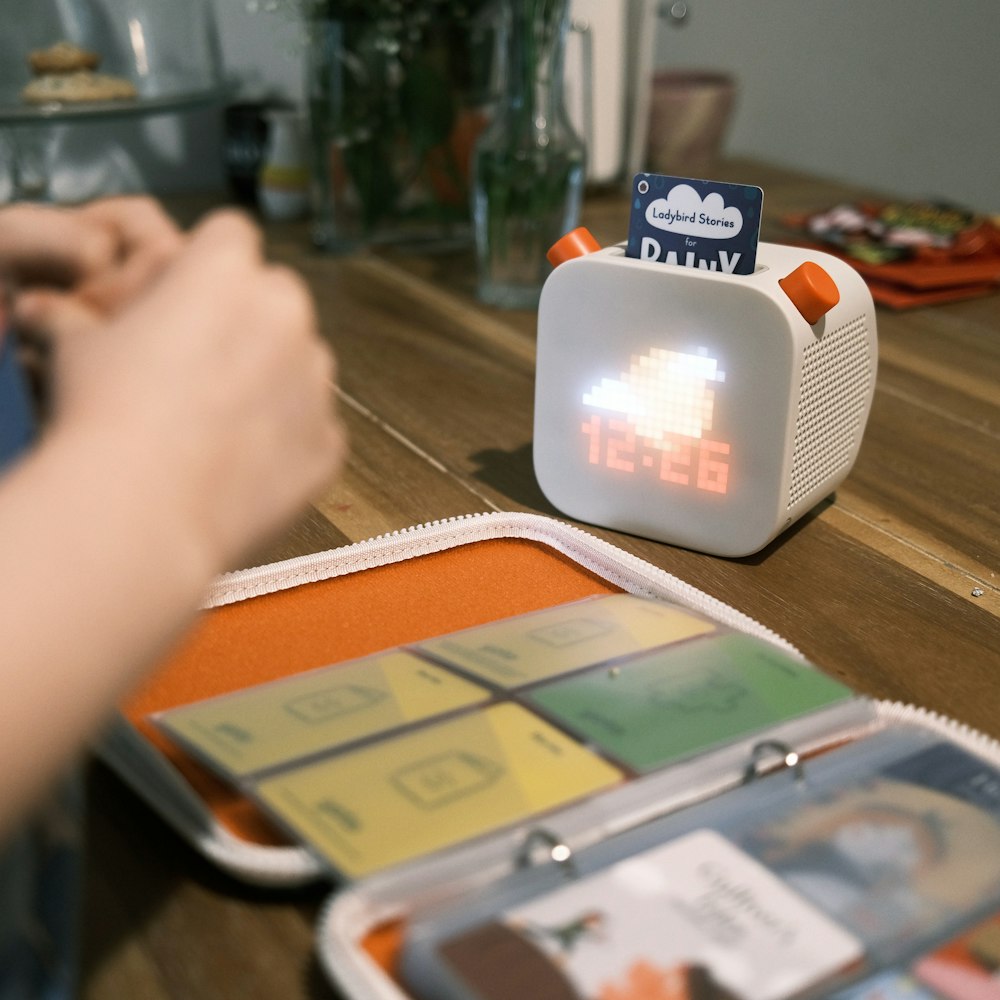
<point x="892" y="587"/>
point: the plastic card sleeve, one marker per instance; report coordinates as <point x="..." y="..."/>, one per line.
<point x="294" y="616"/>
<point x="362" y="929"/>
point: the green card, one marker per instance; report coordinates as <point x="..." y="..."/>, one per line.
<point x="685" y="699"/>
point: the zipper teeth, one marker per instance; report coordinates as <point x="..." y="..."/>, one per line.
<point x="613" y="564"/>
<point x="971" y="738"/>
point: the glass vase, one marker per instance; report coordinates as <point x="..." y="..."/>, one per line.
<point x="397" y="93"/>
<point x="528" y="166"/>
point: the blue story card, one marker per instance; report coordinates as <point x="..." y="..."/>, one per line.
<point x="694" y="223"/>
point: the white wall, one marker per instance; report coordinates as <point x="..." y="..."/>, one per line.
<point x="263" y="48"/>
<point x="897" y="95"/>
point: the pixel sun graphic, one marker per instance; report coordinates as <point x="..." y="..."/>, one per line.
<point x="663" y="393"/>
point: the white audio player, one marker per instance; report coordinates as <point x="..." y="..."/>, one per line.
<point x="703" y="409"/>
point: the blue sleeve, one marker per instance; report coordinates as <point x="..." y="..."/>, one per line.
<point x="17" y="419"/>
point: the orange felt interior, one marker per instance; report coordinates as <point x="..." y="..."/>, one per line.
<point x="384" y="943"/>
<point x="309" y="626"/>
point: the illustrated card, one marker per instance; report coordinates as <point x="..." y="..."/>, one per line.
<point x="684" y="699"/>
<point x="695" y="223"/>
<point x="534" y="647"/>
<point x="895" y="855"/>
<point x="272" y="724"/>
<point x="428" y="789"/>
<point x="968" y="966"/>
<point x="692" y="918"/>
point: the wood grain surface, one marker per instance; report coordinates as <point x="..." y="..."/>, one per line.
<point x="891" y="585"/>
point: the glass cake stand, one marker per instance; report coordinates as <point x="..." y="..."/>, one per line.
<point x="26" y="129"/>
<point x="169" y="51"/>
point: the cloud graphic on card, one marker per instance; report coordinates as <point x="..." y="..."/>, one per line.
<point x="684" y="211"/>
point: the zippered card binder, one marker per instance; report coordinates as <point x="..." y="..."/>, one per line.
<point x="355" y="639"/>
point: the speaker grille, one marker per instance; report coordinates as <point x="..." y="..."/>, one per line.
<point x="836" y="379"/>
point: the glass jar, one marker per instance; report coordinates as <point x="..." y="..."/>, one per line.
<point x="397" y="96"/>
<point x="528" y="166"/>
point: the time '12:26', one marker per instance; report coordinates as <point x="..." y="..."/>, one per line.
<point x="677" y="458"/>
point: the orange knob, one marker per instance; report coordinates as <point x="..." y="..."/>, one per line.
<point x="577" y="243"/>
<point x="812" y="291"/>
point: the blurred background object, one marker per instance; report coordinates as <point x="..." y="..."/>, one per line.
<point x="896" y="96"/>
<point x="103" y="133"/>
<point x="689" y="114"/>
<point x="166" y="50"/>
<point x="528" y="165"/>
<point x="609" y="64"/>
<point x="245" y="144"/>
<point x="283" y="178"/>
<point x="397" y="95"/>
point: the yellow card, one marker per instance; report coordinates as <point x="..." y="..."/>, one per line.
<point x="537" y="646"/>
<point x="272" y="724"/>
<point x="429" y="789"/>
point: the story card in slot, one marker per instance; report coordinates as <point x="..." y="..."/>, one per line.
<point x="694" y="918"/>
<point x="684" y="699"/>
<point x="272" y="724"/>
<point x="544" y="644"/>
<point x="887" y="851"/>
<point x="695" y="223"/>
<point x="412" y="794"/>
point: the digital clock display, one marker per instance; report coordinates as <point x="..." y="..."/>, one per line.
<point x="656" y="418"/>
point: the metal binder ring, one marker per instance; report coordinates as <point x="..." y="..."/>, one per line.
<point x="545" y="843"/>
<point x="790" y="759"/>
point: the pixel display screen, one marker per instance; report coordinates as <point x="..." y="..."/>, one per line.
<point x="656" y="418"/>
<point x="693" y="406"/>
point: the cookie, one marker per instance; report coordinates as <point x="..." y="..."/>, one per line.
<point x="62" y="57"/>
<point x="78" y="87"/>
